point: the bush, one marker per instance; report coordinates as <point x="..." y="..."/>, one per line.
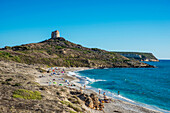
<point x="42" y="88"/>
<point x="17" y="58"/>
<point x="41" y="70"/>
<point x="27" y="94"/>
<point x="96" y="49"/>
<point x="74" y="107"/>
<point x="77" y="49"/>
<point x="69" y="104"/>
<point x="86" y="51"/>
<point x="5" y="54"/>
<point x="66" y="43"/>
<point x="59" y="47"/>
<point x="5" y="83"/>
<point x="7" y="47"/>
<point x="73" y="112"/>
<point x="10" y="79"/>
<point x="17" y="84"/>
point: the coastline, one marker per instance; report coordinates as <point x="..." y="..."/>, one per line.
<point x="116" y="106"/>
<point x="123" y="101"/>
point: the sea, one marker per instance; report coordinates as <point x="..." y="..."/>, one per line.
<point x="147" y="87"/>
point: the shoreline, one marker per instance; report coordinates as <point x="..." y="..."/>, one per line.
<point x="124" y="99"/>
<point x="116" y="105"/>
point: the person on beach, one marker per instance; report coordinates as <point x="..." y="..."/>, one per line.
<point x="118" y="93"/>
<point x="81" y="91"/>
<point x="104" y="95"/>
<point x="84" y="86"/>
<point x="99" y="91"/>
<point x="105" y="98"/>
<point x="49" y="83"/>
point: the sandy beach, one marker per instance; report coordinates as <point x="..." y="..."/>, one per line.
<point x="61" y="76"/>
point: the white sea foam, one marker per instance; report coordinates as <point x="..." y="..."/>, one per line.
<point x="106" y="68"/>
<point x="124" y="98"/>
<point x="99" y="89"/>
<point x="83" y="79"/>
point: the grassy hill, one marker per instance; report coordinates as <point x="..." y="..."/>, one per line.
<point x="60" y="52"/>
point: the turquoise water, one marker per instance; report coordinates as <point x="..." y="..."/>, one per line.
<point x="150" y="86"/>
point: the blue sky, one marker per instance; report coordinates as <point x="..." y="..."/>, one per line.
<point x="115" y="25"/>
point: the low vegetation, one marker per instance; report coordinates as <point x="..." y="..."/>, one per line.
<point x="69" y="104"/>
<point x="27" y="94"/>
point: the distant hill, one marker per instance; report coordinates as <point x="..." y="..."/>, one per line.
<point x="141" y="56"/>
<point x="60" y="52"/>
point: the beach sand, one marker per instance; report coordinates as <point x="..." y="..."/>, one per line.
<point x="117" y="106"/>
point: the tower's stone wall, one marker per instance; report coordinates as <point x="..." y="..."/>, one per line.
<point x="55" y="34"/>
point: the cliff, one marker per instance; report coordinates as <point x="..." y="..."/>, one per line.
<point x="140" y="56"/>
<point x="60" y="52"/>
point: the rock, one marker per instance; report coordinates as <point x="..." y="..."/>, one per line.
<point x="74" y="92"/>
<point x="92" y="95"/>
<point x="83" y="97"/>
<point x="95" y="100"/>
<point x="89" y="102"/>
<point x="101" y="106"/>
<point x="72" y="55"/>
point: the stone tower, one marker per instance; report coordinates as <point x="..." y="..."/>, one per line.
<point x="55" y="34"/>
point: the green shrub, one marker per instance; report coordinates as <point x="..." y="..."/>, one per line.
<point x="87" y="51"/>
<point x="69" y="104"/>
<point x="17" y="84"/>
<point x="66" y="43"/>
<point x="63" y="90"/>
<point x="5" y="83"/>
<point x="27" y="94"/>
<point x="41" y="70"/>
<point x="42" y="88"/>
<point x="10" y="79"/>
<point x="126" y="60"/>
<point x="96" y="49"/>
<point x="20" y="48"/>
<point x="17" y="58"/>
<point x="74" y="107"/>
<point x="73" y="112"/>
<point x="5" y="54"/>
<point x="7" y="47"/>
<point x="59" y="47"/>
<point x="77" y="49"/>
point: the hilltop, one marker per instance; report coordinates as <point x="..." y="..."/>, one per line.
<point x="60" y="52"/>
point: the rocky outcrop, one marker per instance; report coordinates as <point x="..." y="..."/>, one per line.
<point x="140" y="56"/>
<point x="89" y="102"/>
<point x="95" y="101"/>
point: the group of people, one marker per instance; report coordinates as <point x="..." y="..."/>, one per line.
<point x="106" y="100"/>
<point x="56" y="72"/>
